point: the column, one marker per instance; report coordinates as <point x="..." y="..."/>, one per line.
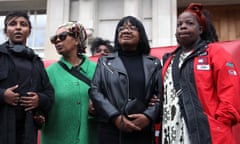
<point x="164" y="16"/>
<point x="86" y="17"/>
<point x="131" y="7"/>
<point x="57" y="14"/>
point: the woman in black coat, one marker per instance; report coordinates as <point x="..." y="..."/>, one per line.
<point x="26" y="95"/>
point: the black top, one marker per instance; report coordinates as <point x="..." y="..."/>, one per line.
<point x="134" y="66"/>
<point x="23" y="75"/>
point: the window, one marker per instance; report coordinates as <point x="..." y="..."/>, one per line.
<point x="37" y="38"/>
<point x="2" y="35"/>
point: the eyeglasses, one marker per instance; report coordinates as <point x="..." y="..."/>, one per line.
<point x="128" y="27"/>
<point x="62" y="36"/>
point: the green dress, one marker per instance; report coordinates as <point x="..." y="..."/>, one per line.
<point x="67" y="122"/>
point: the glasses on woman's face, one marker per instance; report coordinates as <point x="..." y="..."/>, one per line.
<point x="128" y="27"/>
<point x="61" y="37"/>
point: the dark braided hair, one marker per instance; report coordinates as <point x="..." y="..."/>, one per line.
<point x="209" y="34"/>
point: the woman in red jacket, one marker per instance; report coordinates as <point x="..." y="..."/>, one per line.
<point x="201" y="100"/>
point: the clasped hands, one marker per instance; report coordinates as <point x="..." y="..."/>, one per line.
<point x="28" y="101"/>
<point x="134" y="122"/>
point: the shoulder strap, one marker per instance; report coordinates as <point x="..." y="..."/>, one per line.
<point x="76" y="73"/>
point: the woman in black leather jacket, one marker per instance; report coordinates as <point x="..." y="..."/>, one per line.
<point x="123" y="84"/>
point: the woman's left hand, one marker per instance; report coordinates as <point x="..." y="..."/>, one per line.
<point x="91" y="108"/>
<point x="153" y="100"/>
<point x="30" y="101"/>
<point x="139" y="120"/>
<point x="39" y="119"/>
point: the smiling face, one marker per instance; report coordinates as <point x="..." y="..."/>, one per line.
<point x="18" y="30"/>
<point x="128" y="36"/>
<point x="188" y="30"/>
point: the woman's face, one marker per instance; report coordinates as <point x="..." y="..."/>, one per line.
<point x="18" y="30"/>
<point x="188" y="29"/>
<point x="128" y="37"/>
<point x="102" y="50"/>
<point x="64" y="42"/>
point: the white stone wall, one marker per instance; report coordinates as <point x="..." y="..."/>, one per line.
<point x="101" y="16"/>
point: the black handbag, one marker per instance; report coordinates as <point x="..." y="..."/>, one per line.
<point x="134" y="106"/>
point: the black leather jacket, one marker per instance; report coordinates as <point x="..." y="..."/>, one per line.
<point x="110" y="87"/>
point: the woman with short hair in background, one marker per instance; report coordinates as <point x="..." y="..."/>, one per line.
<point x="101" y="47"/>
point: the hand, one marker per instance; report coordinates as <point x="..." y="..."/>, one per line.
<point x="153" y="100"/>
<point x="139" y="120"/>
<point x="125" y="125"/>
<point x="10" y="97"/>
<point x="91" y="108"/>
<point x="39" y="120"/>
<point x="30" y="101"/>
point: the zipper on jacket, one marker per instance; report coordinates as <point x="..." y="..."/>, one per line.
<point x="107" y="67"/>
<point x="128" y="97"/>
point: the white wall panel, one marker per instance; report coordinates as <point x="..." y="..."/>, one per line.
<point x="110" y="9"/>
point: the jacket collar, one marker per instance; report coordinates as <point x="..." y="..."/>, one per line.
<point x="149" y="65"/>
<point x="84" y="66"/>
<point x="201" y="45"/>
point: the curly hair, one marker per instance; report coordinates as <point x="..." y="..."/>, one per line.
<point x="99" y="41"/>
<point x="210" y="33"/>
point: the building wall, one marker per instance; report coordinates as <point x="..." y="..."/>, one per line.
<point x="37" y="14"/>
<point x="100" y="17"/>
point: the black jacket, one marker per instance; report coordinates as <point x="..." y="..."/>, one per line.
<point x="110" y="87"/>
<point x="40" y="85"/>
